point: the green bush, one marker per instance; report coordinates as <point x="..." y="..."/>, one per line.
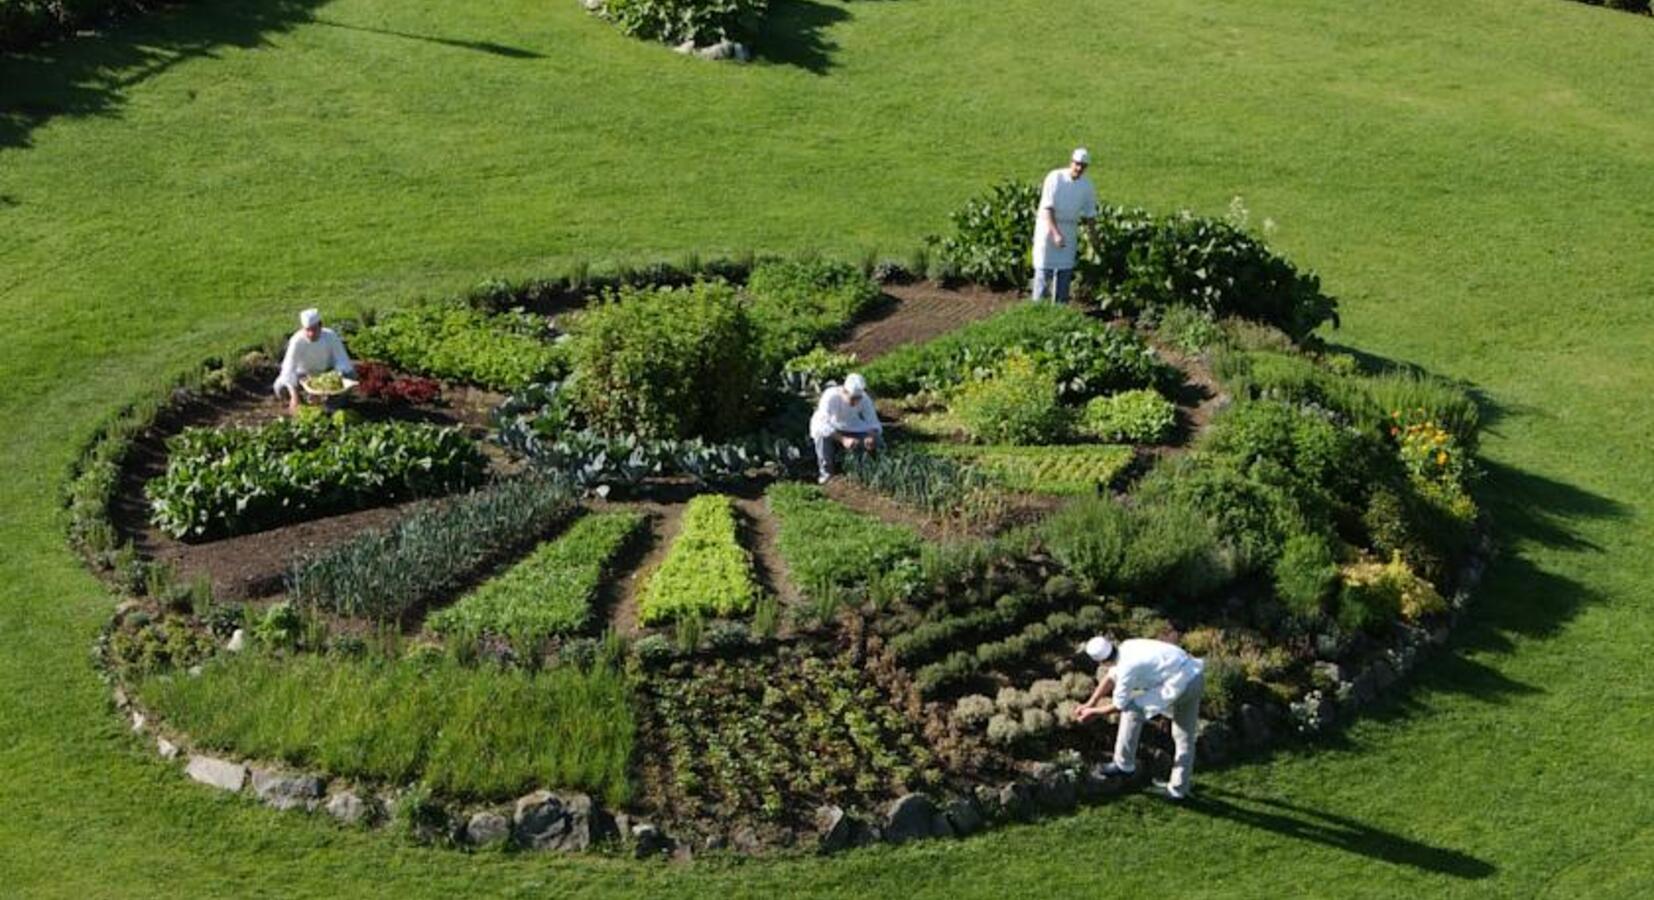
<point x="800" y="303"/>
<point x="235" y="480"/>
<point x="820" y="366"/>
<point x="928" y="640"/>
<point x="384" y="573"/>
<point x="451" y="340"/>
<point x="1138" y="417"/>
<point x="1017" y="405"/>
<point x="1315" y="459"/>
<point x="992" y="236"/>
<point x="1090" y="538"/>
<point x="825" y="543"/>
<point x="1175" y="553"/>
<point x="550" y="592"/>
<point x="702" y="22"/>
<point x="667" y="363"/>
<point x="1305" y="575"/>
<point x="25" y="24"/>
<point x="1254" y="517"/>
<point x="1086" y="357"/>
<point x="1370" y="606"/>
<point x="429" y="720"/>
<point x="1187" y="329"/>
<point x="706" y="572"/>
<point x="1141" y="260"/>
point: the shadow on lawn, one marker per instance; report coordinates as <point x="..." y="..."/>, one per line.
<point x="793" y="34"/>
<point x="481" y="46"/>
<point x="89" y="76"/>
<point x="1337" y="832"/>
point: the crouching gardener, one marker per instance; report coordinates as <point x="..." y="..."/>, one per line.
<point x="844" y="420"/>
<point x="1149" y="678"/>
<point x="311" y="350"/>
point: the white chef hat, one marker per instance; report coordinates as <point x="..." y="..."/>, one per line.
<point x="855" y="384"/>
<point x="1099" y="648"/>
<point x="310" y="318"/>
<point x="1081" y="155"/>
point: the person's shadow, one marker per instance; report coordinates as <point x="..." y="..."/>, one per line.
<point x="1337" y="832"/>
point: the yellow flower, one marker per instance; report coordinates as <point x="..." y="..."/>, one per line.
<point x="1441" y="458"/>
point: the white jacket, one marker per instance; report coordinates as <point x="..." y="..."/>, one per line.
<point x="312" y="357"/>
<point x="1150" y="675"/>
<point x="836" y="413"/>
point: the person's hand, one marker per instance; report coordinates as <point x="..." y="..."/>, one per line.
<point x="1084" y="713"/>
<point x="1058" y="239"/>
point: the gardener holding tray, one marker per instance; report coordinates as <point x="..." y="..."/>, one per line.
<point x="311" y="350"/>
<point x="1148" y="678"/>
<point x="1066" y="199"/>
<point x="844" y="419"/>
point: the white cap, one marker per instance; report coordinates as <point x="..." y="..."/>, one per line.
<point x="1099" y="648"/>
<point x="310" y="318"/>
<point x="855" y="384"/>
<point x="1081" y="155"/>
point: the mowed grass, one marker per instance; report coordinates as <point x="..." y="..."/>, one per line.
<point x="1472" y="179"/>
<point x="462" y="731"/>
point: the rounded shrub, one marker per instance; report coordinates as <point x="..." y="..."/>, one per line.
<point x="1305" y="575"/>
<point x="1138" y="417"/>
<point x="1018" y="405"/>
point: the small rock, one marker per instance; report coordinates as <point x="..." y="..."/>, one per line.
<point x="592" y="5"/>
<point x="987" y="801"/>
<point x="196" y="670"/>
<point x="1016" y="801"/>
<point x="166" y="748"/>
<point x="910" y="817"/>
<point x="687" y="47"/>
<point x="126" y="608"/>
<point x="1255" y="728"/>
<point x="834" y="828"/>
<point x="1383" y="675"/>
<point x="963" y="816"/>
<point x="119" y="696"/>
<point x="217" y="773"/>
<point x="724" y="49"/>
<point x="740" y="52"/>
<point x="648" y="840"/>
<point x="1055" y="789"/>
<point x="715" y="842"/>
<point x="347" y="807"/>
<point x="1212" y="744"/>
<point x="745" y="840"/>
<point x="1329" y="673"/>
<point x="284" y="791"/>
<point x="487" y="828"/>
<point x="138" y="721"/>
<point x="565" y="822"/>
<point x="237" y="642"/>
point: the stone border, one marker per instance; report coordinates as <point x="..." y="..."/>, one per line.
<point x="545" y="820"/>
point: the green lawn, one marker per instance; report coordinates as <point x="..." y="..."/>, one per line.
<point x="1475" y="180"/>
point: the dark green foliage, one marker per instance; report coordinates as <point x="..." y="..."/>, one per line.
<point x="800" y="303"/>
<point x="1315" y="459"/>
<point x="1086" y="357"/>
<point x="455" y="341"/>
<point x="933" y="483"/>
<point x="1305" y="575"/>
<point x="28" y="23"/>
<point x="1090" y="537"/>
<point x="960" y="667"/>
<point x="1162" y="546"/>
<point x="825" y="543"/>
<point x="667" y="363"/>
<point x="1142" y="260"/>
<point x="384" y="573"/>
<point x="928" y="640"/>
<point x="992" y="240"/>
<point x="235" y="480"/>
<point x="1370" y="607"/>
<point x="703" y="22"/>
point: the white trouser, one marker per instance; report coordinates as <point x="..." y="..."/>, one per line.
<point x="1185" y="715"/>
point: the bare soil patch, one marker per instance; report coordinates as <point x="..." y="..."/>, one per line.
<point x="919" y="312"/>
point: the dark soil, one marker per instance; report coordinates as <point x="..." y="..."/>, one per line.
<point x="921" y="311"/>
<point x="665" y="519"/>
<point x="251" y="566"/>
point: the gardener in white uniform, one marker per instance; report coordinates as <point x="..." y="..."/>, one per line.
<point x="311" y="350"/>
<point x="1066" y="199"/>
<point x="1148" y="678"/>
<point x="844" y="420"/>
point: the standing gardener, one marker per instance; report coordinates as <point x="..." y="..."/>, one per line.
<point x="1149" y="678"/>
<point x="1066" y="199"/>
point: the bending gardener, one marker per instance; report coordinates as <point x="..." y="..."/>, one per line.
<point x="1148" y="678"/>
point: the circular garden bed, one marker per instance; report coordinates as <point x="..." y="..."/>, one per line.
<point x="560" y="577"/>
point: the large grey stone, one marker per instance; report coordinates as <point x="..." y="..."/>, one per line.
<point x="745" y="840"/>
<point x="648" y="840"/>
<point x="563" y="822"/>
<point x="834" y="828"/>
<point x="1213" y="743"/>
<point x="1055" y="789"/>
<point x="910" y="817"/>
<point x="1016" y="801"/>
<point x="1254" y="723"/>
<point x="487" y="827"/>
<point x="285" y="791"/>
<point x="218" y="773"/>
<point x="963" y="816"/>
<point x="347" y="807"/>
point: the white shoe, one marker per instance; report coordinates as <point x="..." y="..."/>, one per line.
<point x="823" y="478"/>
<point x="1175" y="794"/>
<point x="1111" y="770"/>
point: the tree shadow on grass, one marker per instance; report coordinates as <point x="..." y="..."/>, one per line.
<point x="89" y="76"/>
<point x="1335" y="831"/>
<point x="794" y="34"/>
<point x="488" y="47"/>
